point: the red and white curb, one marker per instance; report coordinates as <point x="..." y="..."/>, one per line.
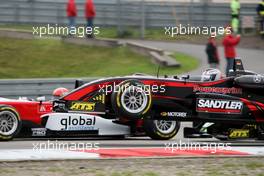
<point x="29" y="154"/>
<point x="162" y="152"/>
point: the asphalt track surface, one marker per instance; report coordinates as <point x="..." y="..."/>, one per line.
<point x="252" y="59"/>
<point x="131" y="142"/>
<point x="128" y="142"/>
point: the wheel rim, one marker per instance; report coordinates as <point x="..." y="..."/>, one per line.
<point x="165" y="126"/>
<point x="8" y="123"/>
<point x="134" y="99"/>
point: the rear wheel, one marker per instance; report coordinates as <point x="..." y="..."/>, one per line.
<point x="161" y="129"/>
<point x="10" y="123"/>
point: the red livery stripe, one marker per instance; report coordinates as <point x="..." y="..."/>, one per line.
<point x="219" y="110"/>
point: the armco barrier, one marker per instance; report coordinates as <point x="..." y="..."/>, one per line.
<point x="32" y="88"/>
<point x="122" y="13"/>
<point x="157" y="56"/>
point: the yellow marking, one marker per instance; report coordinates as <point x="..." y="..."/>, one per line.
<point x="163" y="114"/>
<point x="83" y="106"/>
<point x="11" y="109"/>
<point x="150" y="100"/>
<point x="117" y="99"/>
<point x="103" y="98"/>
<point x="239" y="134"/>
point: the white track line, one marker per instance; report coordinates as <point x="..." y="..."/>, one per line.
<point x="29" y="154"/>
<point x="250" y="150"/>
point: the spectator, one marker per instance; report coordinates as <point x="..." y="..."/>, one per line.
<point x="71" y="13"/>
<point x="89" y="14"/>
<point x="212" y="53"/>
<point x="260" y="11"/>
<point x="235" y="11"/>
<point x="230" y="42"/>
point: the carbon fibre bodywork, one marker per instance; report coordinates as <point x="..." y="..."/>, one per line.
<point x="234" y="105"/>
<point x="223" y="100"/>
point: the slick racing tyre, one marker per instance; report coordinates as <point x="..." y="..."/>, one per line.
<point x="161" y="129"/>
<point x="10" y="123"/>
<point x="131" y="99"/>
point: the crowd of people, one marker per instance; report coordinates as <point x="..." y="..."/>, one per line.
<point x="231" y="40"/>
<point x="89" y="14"/>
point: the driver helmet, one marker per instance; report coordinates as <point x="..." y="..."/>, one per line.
<point x="59" y="92"/>
<point x="211" y="74"/>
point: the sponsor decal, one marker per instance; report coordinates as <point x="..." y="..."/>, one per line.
<point x="39" y="131"/>
<point x="78" y="123"/>
<point x="221" y="90"/>
<point x="82" y="106"/>
<point x="239" y="133"/>
<point x="257" y="79"/>
<point x="45" y="108"/>
<point x="219" y="106"/>
<point x="99" y="98"/>
<point x="164" y="114"/>
<point x="173" y="114"/>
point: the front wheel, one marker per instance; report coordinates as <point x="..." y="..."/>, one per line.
<point x="131" y="99"/>
<point x="10" y="123"/>
<point x="161" y="129"/>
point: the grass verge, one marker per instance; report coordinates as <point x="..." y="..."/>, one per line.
<point x="129" y="32"/>
<point x="53" y="58"/>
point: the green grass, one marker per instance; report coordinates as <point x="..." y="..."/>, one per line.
<point x="21" y="26"/>
<point x="43" y="58"/>
<point x="150" y="34"/>
<point x="254" y="165"/>
<point x="150" y="174"/>
<point x="128" y="32"/>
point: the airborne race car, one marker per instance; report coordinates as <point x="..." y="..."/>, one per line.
<point x="225" y="108"/>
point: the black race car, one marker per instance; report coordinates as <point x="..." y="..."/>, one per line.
<point x="223" y="107"/>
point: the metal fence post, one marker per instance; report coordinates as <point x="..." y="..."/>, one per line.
<point x="191" y="12"/>
<point x="17" y="14"/>
<point x="58" y="13"/>
<point x="119" y="17"/>
<point x="143" y="21"/>
<point x="32" y="14"/>
<point x="205" y="12"/>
